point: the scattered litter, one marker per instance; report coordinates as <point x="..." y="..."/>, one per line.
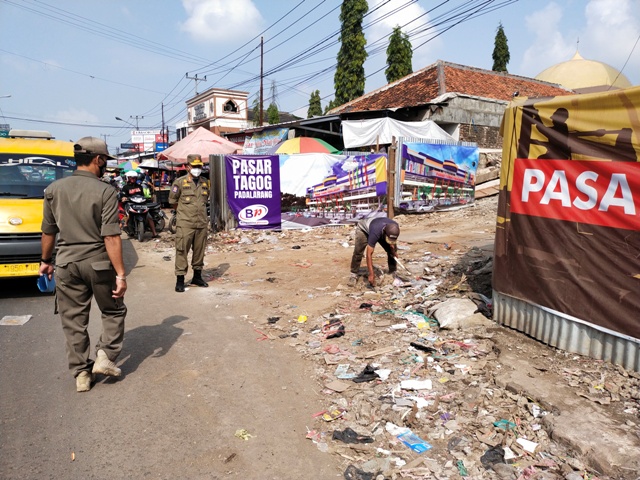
<point x="492" y="456"/>
<point x="342" y="372"/>
<point x="302" y="318"/>
<point x="337" y="386"/>
<point x="15" y="319"/>
<point x="354" y="473"/>
<point x="461" y="468"/>
<point x="528" y="445"/>
<point x="416" y="384"/>
<point x="421" y="346"/>
<point x="243" y="434"/>
<point x="504" y="424"/>
<point x="303" y="264"/>
<point x="348" y="435"/>
<point x="273" y="320"/>
<point x="410" y="439"/>
<point x="367" y="375"/>
<point x="333" y="414"/>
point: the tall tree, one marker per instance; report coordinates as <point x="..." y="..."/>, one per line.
<point x="500" y="51"/>
<point x="315" y="107"/>
<point x="349" y="77"/>
<point x="255" y="108"/>
<point x="273" y="113"/>
<point x="330" y="106"/>
<point x="399" y="55"/>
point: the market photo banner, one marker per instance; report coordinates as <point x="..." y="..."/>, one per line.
<point x="261" y="142"/>
<point x="568" y="228"/>
<point x="253" y="190"/>
<point x="440" y="170"/>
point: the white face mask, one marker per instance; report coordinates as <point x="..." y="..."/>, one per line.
<point x="195" y="172"/>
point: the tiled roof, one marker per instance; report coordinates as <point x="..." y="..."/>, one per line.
<point x="423" y="86"/>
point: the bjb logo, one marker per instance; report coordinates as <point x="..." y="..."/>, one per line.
<point x="253" y="213"/>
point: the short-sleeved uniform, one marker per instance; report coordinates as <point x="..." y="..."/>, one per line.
<point x="82" y="210"/>
<point x="369" y="232"/>
<point x="191" y="221"/>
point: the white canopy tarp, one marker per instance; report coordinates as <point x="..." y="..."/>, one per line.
<point x="380" y="131"/>
<point x="302" y="170"/>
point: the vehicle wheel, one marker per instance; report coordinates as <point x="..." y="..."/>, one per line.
<point x="172" y="225"/>
<point x="140" y="230"/>
<point x="160" y="224"/>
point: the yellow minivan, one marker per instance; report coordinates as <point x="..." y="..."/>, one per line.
<point x="29" y="161"/>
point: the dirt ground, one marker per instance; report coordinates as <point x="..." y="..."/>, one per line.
<point x="453" y="388"/>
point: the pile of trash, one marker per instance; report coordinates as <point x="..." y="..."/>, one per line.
<point x="410" y="393"/>
<point x="408" y="373"/>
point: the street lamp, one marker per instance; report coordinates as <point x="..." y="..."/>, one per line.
<point x="118" y="118"/>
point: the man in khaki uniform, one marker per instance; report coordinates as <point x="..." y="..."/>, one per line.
<point x="191" y="194"/>
<point x="83" y="211"/>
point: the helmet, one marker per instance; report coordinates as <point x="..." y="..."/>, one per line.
<point x="131" y="174"/>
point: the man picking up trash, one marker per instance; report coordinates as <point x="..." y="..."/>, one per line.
<point x="370" y="231"/>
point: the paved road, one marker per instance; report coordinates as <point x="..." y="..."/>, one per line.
<point x="193" y="374"/>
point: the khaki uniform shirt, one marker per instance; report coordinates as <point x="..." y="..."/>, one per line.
<point x="82" y="210"/>
<point x="192" y="201"/>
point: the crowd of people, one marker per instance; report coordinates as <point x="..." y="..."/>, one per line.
<point x="80" y="218"/>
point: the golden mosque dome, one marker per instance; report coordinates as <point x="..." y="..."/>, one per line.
<point x="580" y="74"/>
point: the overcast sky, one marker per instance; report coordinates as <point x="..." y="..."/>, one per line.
<point x="72" y="66"/>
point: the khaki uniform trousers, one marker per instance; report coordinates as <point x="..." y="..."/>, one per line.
<point x="361" y="242"/>
<point x="76" y="284"/>
<point x="188" y="238"/>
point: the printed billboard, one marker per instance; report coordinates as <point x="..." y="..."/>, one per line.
<point x="437" y="173"/>
<point x="568" y="230"/>
<point x="352" y="175"/>
<point x="260" y="143"/>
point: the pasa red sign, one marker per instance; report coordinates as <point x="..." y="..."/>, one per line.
<point x="595" y="192"/>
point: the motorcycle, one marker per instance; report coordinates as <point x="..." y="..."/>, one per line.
<point x="133" y="216"/>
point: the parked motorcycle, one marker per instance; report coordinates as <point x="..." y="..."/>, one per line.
<point x="133" y="216"/>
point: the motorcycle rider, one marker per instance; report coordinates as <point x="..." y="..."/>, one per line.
<point x="130" y="189"/>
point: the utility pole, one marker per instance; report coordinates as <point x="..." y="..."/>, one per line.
<point x="164" y="140"/>
<point x="196" y="80"/>
<point x="261" y="77"/>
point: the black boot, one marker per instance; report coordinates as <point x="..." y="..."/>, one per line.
<point x="197" y="279"/>
<point x="180" y="283"/>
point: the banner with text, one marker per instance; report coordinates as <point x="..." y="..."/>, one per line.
<point x="261" y="142"/>
<point x="568" y="231"/>
<point x="253" y="190"/>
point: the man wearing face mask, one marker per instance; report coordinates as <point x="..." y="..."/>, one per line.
<point x="82" y="212"/>
<point x="189" y="196"/>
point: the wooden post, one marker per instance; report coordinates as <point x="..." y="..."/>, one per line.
<point x="391" y="177"/>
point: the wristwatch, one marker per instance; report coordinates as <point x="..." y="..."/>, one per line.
<point x="48" y="261"/>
